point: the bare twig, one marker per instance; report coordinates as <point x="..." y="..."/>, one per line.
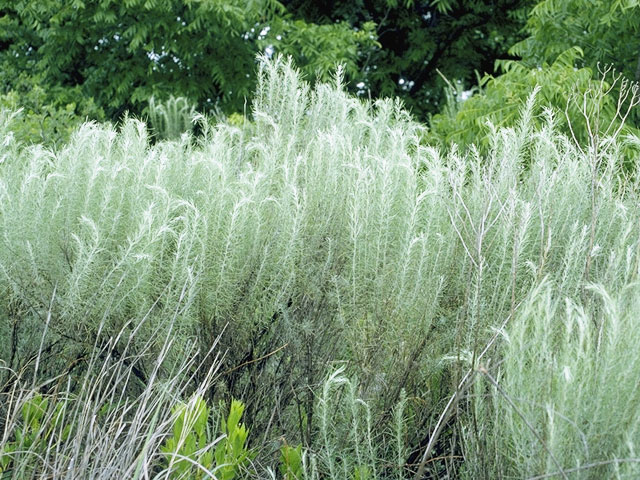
<point x="237" y="367"/>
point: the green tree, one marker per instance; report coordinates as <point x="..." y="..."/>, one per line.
<point x="605" y="30"/>
<point x="47" y="116"/>
<point x="418" y="38"/>
<point x="569" y="52"/>
<point x="123" y="53"/>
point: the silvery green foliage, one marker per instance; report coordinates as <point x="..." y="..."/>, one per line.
<point x="571" y="371"/>
<point x="171" y="118"/>
<point x="321" y="231"/>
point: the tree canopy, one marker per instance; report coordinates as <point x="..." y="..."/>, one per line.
<point x="122" y="53"/>
<point x="606" y="31"/>
<point x="573" y="54"/>
<point x="419" y="38"/>
<point x="99" y="59"/>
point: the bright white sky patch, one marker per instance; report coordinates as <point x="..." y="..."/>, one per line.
<point x="269" y="51"/>
<point x="466" y="94"/>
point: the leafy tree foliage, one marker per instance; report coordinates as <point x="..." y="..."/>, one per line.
<point x="123" y="53"/>
<point x="49" y="115"/>
<point x="606" y="31"/>
<point x="603" y="29"/>
<point x="566" y="53"/>
<point x="417" y="38"/>
<point x="500" y="99"/>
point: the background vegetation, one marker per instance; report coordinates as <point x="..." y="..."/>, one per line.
<point x="276" y="274"/>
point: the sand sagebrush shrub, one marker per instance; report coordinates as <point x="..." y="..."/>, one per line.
<point x="350" y="444"/>
<point x="572" y="373"/>
<point x="171" y="118"/>
<point x="251" y="232"/>
<point x="321" y="231"/>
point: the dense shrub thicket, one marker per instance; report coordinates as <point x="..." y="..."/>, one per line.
<point x="388" y="308"/>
